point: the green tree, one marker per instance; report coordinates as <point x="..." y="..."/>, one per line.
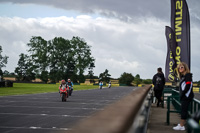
<point x="137" y="80"/>
<point x="25" y="69"/>
<point x="82" y="56"/>
<point x="147" y="81"/>
<point x="44" y="76"/>
<point x="71" y="71"/>
<point x="105" y="76"/>
<point x="60" y="58"/>
<point x="3" y="61"/>
<point x="39" y="51"/>
<point x="8" y="74"/>
<point x="126" y="78"/>
<point x="91" y="73"/>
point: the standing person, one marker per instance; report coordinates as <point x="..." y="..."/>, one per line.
<point x="159" y="83"/>
<point x="186" y="93"/>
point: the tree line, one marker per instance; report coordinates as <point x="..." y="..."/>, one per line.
<point x="54" y="60"/>
<point x="58" y="59"/>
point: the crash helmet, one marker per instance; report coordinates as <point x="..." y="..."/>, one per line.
<point x="62" y="81"/>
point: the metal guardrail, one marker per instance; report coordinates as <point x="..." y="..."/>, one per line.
<point x="194" y="107"/>
<point x="174" y="98"/>
<point x="129" y="114"/>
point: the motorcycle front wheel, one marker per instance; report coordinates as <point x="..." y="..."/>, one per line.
<point x="63" y="97"/>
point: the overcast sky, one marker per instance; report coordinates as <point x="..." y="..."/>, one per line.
<point x="126" y="36"/>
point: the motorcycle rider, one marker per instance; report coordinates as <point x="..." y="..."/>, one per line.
<point x="70" y="84"/>
<point x="100" y="84"/>
<point x="63" y="83"/>
<point x="109" y="84"/>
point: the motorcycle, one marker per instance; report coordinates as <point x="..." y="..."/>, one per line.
<point x="70" y="90"/>
<point x="109" y="85"/>
<point x="100" y="86"/>
<point x="63" y="93"/>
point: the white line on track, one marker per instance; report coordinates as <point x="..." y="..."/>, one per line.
<point x="89" y="102"/>
<point x="49" y="107"/>
<point x="34" y="128"/>
<point x="41" y="115"/>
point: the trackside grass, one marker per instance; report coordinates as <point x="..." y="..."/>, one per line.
<point x="28" y="88"/>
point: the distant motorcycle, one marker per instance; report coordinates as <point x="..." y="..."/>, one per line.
<point x="109" y="85"/>
<point x="100" y="85"/>
<point x="63" y="93"/>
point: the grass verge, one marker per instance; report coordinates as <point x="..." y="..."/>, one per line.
<point x="28" y="88"/>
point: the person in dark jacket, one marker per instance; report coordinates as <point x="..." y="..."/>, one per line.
<point x="186" y="93"/>
<point x="159" y="83"/>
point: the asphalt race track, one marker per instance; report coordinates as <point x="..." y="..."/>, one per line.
<point x="45" y="113"/>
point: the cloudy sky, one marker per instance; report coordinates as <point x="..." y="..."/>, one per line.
<point x="126" y="36"/>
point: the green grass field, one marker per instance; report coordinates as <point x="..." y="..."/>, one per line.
<point x="28" y="88"/>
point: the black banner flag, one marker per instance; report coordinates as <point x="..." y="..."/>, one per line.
<point x="170" y="66"/>
<point x="180" y="24"/>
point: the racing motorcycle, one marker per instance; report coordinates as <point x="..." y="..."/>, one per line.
<point x="63" y="93"/>
<point x="70" y="90"/>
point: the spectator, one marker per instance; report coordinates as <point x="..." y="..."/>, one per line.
<point x="186" y="93"/>
<point x="159" y="83"/>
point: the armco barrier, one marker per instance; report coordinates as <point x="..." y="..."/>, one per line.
<point x="126" y="115"/>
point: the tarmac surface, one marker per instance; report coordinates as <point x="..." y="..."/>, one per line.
<point x="157" y="120"/>
<point x="45" y="113"/>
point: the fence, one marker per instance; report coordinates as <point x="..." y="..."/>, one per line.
<point x="129" y="114"/>
<point x="174" y="99"/>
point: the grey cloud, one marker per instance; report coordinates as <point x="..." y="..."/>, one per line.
<point x="124" y="10"/>
<point x="127" y="10"/>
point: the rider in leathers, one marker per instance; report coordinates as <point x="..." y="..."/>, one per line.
<point x="70" y="84"/>
<point x="63" y="83"/>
